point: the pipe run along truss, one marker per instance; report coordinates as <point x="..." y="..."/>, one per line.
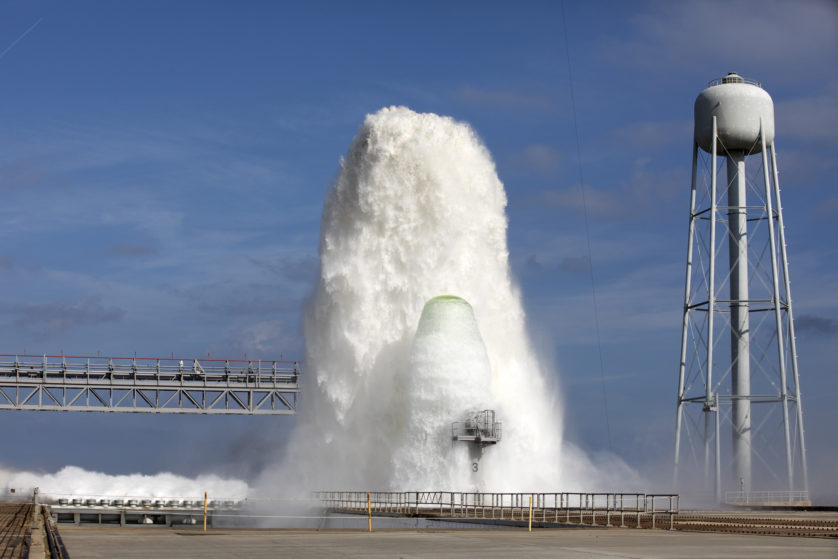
<point x="148" y="385"/>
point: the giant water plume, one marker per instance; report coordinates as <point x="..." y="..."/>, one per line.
<point x="417" y="211"/>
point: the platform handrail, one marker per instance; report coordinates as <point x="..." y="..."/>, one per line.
<point x="746" y="497"/>
<point x="584" y="508"/>
<point x="148" y="385"/>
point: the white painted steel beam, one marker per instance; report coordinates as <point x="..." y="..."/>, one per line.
<point x="134" y="385"/>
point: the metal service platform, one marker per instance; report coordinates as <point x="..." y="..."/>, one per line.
<point x="148" y="385"/>
<point x="482" y="429"/>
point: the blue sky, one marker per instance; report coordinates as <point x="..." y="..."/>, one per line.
<point x="163" y="167"/>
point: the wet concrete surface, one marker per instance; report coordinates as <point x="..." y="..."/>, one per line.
<point x="139" y="542"/>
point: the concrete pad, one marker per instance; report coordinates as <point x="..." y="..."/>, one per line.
<point x="37" y="545"/>
<point x="97" y="542"/>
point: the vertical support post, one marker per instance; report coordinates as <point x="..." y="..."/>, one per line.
<point x="711" y="309"/>
<point x="369" y="512"/>
<point x="781" y="353"/>
<point x="205" y="511"/>
<point x="43" y="383"/>
<point x="740" y="335"/>
<point x="686" y="321"/>
<point x="530" y="513"/>
<point x="530" y="516"/>
<point x="792" y="339"/>
<point x="718" y="454"/>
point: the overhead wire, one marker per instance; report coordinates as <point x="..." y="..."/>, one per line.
<point x="587" y="229"/>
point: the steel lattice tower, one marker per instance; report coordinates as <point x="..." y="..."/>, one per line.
<point x="738" y="382"/>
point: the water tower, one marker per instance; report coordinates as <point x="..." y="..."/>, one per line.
<point x="738" y="382"/>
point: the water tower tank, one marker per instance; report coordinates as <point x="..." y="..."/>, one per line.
<point x="738" y="105"/>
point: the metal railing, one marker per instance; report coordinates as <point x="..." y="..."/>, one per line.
<point x="547" y="508"/>
<point x="767" y="497"/>
<point x="482" y="428"/>
<point x="734" y="79"/>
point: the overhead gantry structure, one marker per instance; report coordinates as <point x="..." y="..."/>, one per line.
<point x="148" y="385"/>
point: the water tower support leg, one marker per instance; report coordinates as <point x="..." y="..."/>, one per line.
<point x="685" y="323"/>
<point x="777" y="314"/>
<point x="792" y="339"/>
<point x="740" y="335"/>
<point x="709" y="396"/>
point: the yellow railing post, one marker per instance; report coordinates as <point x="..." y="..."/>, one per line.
<point x="530" y="513"/>
<point x="369" y="512"/>
<point x="205" y="511"/>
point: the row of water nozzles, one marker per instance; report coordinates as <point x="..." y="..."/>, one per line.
<point x="149" y="503"/>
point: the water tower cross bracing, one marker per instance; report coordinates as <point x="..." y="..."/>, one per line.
<point x="738" y="382"/>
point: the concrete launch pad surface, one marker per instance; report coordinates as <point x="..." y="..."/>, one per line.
<point x="97" y="542"/>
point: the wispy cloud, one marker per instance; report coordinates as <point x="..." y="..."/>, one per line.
<point x="301" y="269"/>
<point x="187" y="153"/>
<point x="228" y="298"/>
<point x="804" y="166"/>
<point x="811" y="119"/>
<point x="539" y="157"/>
<point x="818" y="325"/>
<point x="596" y="202"/>
<point x="19" y="174"/>
<point x="828" y="206"/>
<point x="653" y="186"/>
<point x="652" y="134"/>
<point x="45" y="319"/>
<point x="597" y="379"/>
<point x="504" y="98"/>
<point x="567" y="264"/>
<point x="575" y="264"/>
<point x="126" y="249"/>
<point x="641" y="193"/>
<point x="775" y="36"/>
<point x="260" y="339"/>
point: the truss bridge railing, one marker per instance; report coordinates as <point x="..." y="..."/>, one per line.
<point x="148" y="385"/>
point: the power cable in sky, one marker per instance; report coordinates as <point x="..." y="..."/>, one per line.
<point x="587" y="229"/>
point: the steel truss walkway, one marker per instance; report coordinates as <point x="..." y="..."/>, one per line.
<point x="148" y="385"/>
